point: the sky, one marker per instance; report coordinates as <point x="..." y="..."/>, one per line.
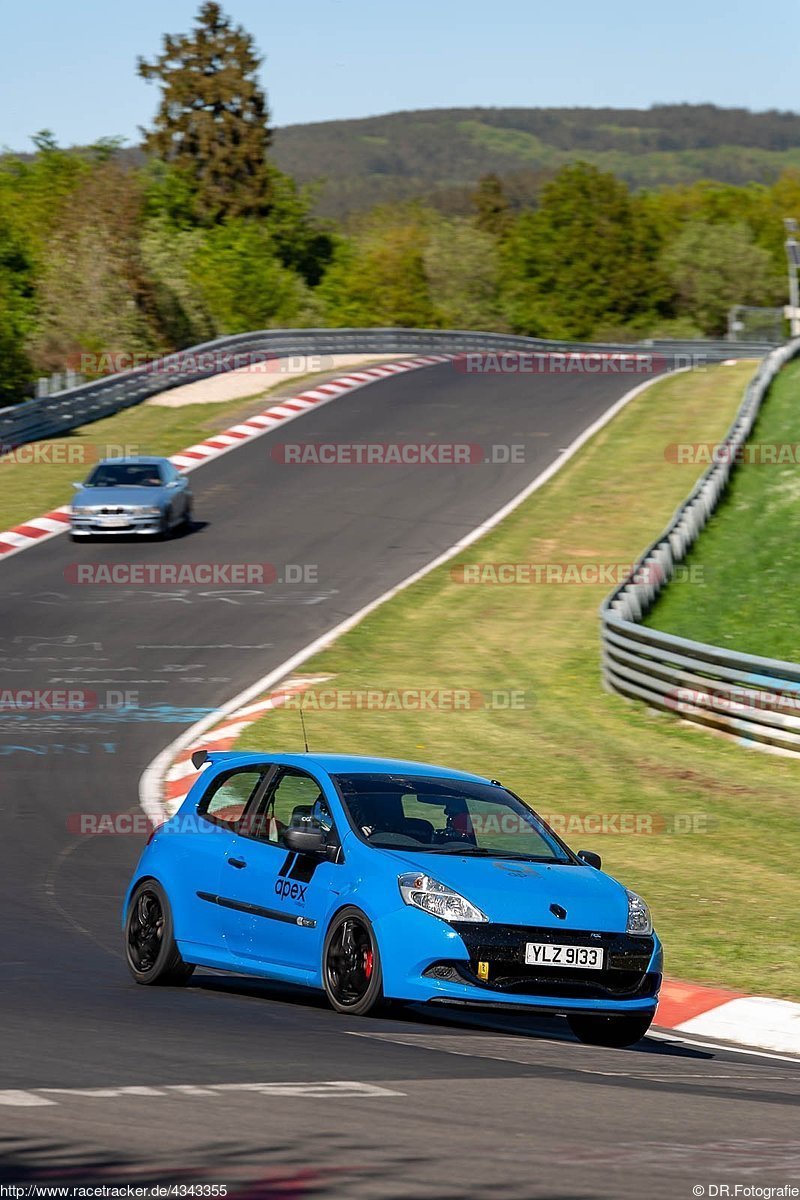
<point x="70" y="67"/>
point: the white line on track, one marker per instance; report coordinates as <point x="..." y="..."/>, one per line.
<point x="678" y="1040"/>
<point x="505" y="1048"/>
<point x="334" y="1089"/>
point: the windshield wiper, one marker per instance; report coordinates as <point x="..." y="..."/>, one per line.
<point x="483" y="852"/>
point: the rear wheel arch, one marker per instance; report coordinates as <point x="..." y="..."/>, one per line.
<point x="151" y="951"/>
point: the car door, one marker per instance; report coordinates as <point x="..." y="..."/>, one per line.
<point x="275" y="902"/>
<point x="206" y="844"/>
<point x="178" y="491"/>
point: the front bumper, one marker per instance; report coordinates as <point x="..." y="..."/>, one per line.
<point x="425" y="959"/>
<point x="131" y="523"/>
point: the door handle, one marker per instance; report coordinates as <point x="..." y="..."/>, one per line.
<point x="237" y="862"/>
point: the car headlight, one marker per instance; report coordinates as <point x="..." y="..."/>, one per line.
<point x="436" y="898"/>
<point x="639" y="919"/>
<point x="148" y="512"/>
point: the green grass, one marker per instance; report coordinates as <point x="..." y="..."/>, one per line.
<point x="746" y="562"/>
<point x="573" y="749"/>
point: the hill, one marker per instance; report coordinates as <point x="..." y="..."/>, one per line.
<point x="440" y="153"/>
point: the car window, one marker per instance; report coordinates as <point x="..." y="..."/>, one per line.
<point x="125" y="475"/>
<point x="445" y="816"/>
<point x="228" y="798"/>
<point x="295" y="798"/>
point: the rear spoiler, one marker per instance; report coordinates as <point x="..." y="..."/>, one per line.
<point x="201" y="757"/>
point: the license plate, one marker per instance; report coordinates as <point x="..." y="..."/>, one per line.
<point x="545" y="954"/>
<point x="114" y="522"/>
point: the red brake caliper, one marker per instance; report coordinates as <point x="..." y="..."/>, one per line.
<point x="368" y="963"/>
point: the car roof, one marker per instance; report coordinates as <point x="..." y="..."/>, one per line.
<point x="132" y="459"/>
<point x="346" y="764"/>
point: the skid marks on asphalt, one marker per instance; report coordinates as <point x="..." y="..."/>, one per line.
<point x="652" y="1063"/>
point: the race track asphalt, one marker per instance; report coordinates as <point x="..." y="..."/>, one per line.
<point x="463" y="1107"/>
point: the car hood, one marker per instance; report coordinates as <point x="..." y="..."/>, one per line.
<point x="521" y="893"/>
<point x="112" y="497"/>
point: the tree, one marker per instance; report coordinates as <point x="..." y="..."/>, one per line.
<point x="168" y="255"/>
<point x="583" y="260"/>
<point x="461" y="267"/>
<point x="212" y="118"/>
<point x="241" y="281"/>
<point x="16" y="316"/>
<point x="713" y="267"/>
<point x="491" y="205"/>
<point x="92" y="290"/>
<point x="379" y="277"/>
<point x="300" y="243"/>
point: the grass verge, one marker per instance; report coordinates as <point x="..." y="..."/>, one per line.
<point x="573" y="750"/>
<point x="747" y="560"/>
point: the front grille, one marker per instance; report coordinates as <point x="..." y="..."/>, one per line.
<point x="502" y="948"/>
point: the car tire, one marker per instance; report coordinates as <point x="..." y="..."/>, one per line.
<point x="351" y="964"/>
<point x="611" y="1031"/>
<point x="150" y="949"/>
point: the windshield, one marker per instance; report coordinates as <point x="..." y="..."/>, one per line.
<point x="125" y="475"/>
<point x="445" y="816"/>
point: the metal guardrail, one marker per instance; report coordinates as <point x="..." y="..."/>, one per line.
<point x="756" y="700"/>
<point x="56" y="414"/>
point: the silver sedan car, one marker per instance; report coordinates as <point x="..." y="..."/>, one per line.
<point x="131" y="496"/>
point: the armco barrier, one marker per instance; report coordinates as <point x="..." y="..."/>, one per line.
<point x="756" y="700"/>
<point x="50" y="416"/>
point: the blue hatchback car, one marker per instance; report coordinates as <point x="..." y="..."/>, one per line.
<point x="377" y="879"/>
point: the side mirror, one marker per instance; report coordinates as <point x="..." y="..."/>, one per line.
<point x="173" y="483"/>
<point x="590" y="858"/>
<point x="306" y="841"/>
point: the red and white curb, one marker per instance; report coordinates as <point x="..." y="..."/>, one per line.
<point x="39" y="529"/>
<point x="758" y="1022"/>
